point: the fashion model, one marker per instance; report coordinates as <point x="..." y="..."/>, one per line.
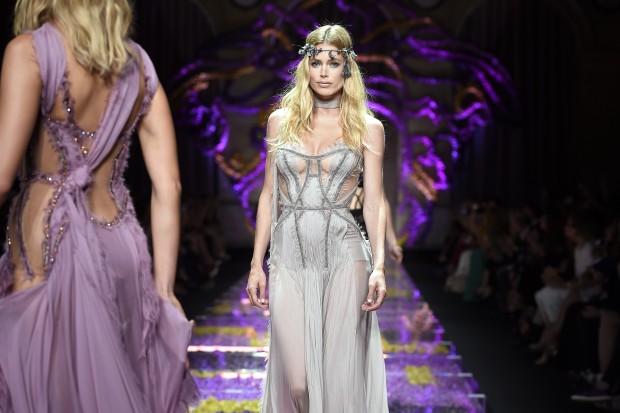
<point x="325" y="279"/>
<point x="84" y="325"/>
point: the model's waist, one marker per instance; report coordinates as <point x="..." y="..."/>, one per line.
<point x="316" y="207"/>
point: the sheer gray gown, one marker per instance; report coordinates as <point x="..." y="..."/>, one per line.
<point x="325" y="351"/>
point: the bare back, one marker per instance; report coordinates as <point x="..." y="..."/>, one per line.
<point x="77" y="153"/>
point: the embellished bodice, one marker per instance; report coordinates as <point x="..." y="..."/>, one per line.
<point x="322" y="181"/>
<point x="313" y="195"/>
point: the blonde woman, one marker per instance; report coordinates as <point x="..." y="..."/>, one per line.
<point x="84" y="328"/>
<point x="325" y="281"/>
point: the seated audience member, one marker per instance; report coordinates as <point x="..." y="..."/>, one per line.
<point x="466" y="246"/>
<point x="606" y="382"/>
<point x="559" y="293"/>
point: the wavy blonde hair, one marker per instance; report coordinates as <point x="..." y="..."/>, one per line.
<point x="98" y="30"/>
<point x="297" y="101"/>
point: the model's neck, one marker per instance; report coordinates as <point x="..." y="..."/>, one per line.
<point x="332" y="103"/>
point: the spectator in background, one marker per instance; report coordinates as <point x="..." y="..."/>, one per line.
<point x="578" y="285"/>
<point x="606" y="381"/>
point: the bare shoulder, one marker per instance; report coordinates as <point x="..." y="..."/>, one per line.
<point x="275" y="120"/>
<point x="20" y="49"/>
<point x="276" y="117"/>
<point x="375" y="139"/>
<point x="373" y="123"/>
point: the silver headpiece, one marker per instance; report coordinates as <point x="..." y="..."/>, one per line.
<point x="312" y="51"/>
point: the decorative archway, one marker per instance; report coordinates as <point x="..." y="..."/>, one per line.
<point x="432" y="90"/>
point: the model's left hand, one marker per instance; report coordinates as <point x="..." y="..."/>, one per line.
<point x="395" y="252"/>
<point x="376" y="291"/>
<point x="170" y="297"/>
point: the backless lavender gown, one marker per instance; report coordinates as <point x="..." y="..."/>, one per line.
<point x="325" y="352"/>
<point x="94" y="336"/>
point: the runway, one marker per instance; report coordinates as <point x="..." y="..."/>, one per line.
<point x="424" y="373"/>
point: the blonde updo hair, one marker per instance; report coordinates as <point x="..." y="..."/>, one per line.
<point x="297" y="101"/>
<point x="97" y="30"/>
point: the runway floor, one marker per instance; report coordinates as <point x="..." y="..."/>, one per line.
<point x="424" y="373"/>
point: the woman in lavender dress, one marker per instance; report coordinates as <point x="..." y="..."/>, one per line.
<point x="83" y="326"/>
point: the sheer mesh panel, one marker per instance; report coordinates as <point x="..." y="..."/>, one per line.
<point x="357" y="202"/>
<point x="335" y="174"/>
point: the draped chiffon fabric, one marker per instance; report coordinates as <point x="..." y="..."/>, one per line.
<point x="325" y="352"/>
<point x="93" y="336"/>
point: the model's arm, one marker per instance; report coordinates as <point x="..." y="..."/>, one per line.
<point x="257" y="281"/>
<point x="158" y="143"/>
<point x="374" y="212"/>
<point x="395" y="250"/>
<point x="20" y="91"/>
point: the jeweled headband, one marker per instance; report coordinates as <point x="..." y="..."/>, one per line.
<point x="311" y="51"/>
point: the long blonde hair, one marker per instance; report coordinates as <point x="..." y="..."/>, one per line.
<point x="298" y="102"/>
<point x="97" y="29"/>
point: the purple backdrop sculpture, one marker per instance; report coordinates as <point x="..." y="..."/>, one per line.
<point x="391" y="42"/>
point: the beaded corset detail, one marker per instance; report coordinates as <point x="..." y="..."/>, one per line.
<point x="315" y="190"/>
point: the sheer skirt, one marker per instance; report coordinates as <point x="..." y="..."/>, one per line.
<point x="325" y="351"/>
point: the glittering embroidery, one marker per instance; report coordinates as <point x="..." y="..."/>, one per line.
<point x="121" y="204"/>
<point x="50" y="248"/>
<point x="80" y="137"/>
<point x="331" y="204"/>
